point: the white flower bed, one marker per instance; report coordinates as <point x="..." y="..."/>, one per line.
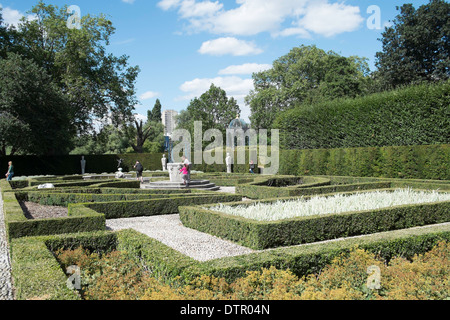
<point x="338" y="203"/>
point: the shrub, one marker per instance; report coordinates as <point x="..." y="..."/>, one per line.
<point x="417" y="115"/>
<point x="115" y="277"/>
<point x="141" y="208"/>
<point x="405" y="162"/>
<point x="262" y="235"/>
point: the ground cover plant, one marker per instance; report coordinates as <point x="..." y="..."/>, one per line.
<point x="113" y="276"/>
<point x="335" y="204"/>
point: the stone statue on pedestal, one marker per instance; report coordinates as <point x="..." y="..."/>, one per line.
<point x="83" y="165"/>
<point x="164" y="162"/>
<point x="228" y="163"/>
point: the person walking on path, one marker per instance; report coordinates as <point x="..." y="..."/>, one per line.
<point x="139" y="169"/>
<point x="10" y="174"/>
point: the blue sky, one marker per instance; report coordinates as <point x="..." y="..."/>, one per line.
<point x="182" y="46"/>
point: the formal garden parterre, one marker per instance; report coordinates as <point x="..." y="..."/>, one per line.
<point x="302" y="245"/>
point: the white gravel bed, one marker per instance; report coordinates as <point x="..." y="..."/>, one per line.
<point x="169" y="230"/>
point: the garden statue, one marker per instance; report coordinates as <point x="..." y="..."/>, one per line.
<point x="120" y="174"/>
<point x="119" y="163"/>
<point x="83" y="165"/>
<point x="228" y="162"/>
<point x="164" y="162"/>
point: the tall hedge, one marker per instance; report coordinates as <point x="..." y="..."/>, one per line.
<point x="406" y="162"/>
<point x="71" y="164"/>
<point x="416" y="115"/>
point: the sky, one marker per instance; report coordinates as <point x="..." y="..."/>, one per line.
<point x="183" y="46"/>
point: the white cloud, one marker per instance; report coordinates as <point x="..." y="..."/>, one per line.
<point x="128" y="1"/>
<point x="229" y="45"/>
<point x="247" y="68"/>
<point x="331" y="19"/>
<point x="148" y="95"/>
<point x="12" y="17"/>
<point x="252" y="17"/>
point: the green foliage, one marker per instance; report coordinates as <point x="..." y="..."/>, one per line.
<point x="289" y="232"/>
<point x="161" y="206"/>
<point x="66" y="77"/>
<point x="155" y="115"/>
<point x="17" y="225"/>
<point x="95" y="82"/>
<point x="214" y="109"/>
<point x="417" y="115"/>
<point x="29" y="100"/>
<point x="415" y="47"/>
<point x="305" y="75"/>
<point x="37" y="274"/>
<point x="407" y="162"/>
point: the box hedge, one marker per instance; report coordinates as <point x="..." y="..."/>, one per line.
<point x="17" y="225"/>
<point x="37" y="274"/>
<point x="161" y="206"/>
<point x="330" y="184"/>
<point x="270" y="234"/>
<point x="416" y="115"/>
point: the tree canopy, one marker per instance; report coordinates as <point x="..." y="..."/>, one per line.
<point x="416" y="47"/>
<point x="213" y="108"/>
<point x="306" y="74"/>
<point x="92" y="83"/>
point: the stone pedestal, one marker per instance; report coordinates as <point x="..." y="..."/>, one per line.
<point x="174" y="172"/>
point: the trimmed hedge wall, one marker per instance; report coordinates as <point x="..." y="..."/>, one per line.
<point x="37" y="274"/>
<point x="309" y="259"/>
<point x="416" y="115"/>
<point x="141" y="208"/>
<point x="17" y="225"/>
<point x="64" y="199"/>
<point x="411" y="162"/>
<point x="262" y="235"/>
<point x="71" y="164"/>
<point x="406" y="162"/>
<point x="329" y="184"/>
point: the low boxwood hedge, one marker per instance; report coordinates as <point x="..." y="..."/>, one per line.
<point x="63" y="199"/>
<point x="140" y="208"/>
<point x="270" y="234"/>
<point x="260" y="191"/>
<point x="328" y="184"/>
<point x="37" y="274"/>
<point x="309" y="259"/>
<point x="17" y="225"/>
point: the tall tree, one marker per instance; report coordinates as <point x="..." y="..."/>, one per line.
<point x="214" y="109"/>
<point x="96" y="83"/>
<point x="142" y="133"/>
<point x="6" y="38"/>
<point x="416" y="47"/>
<point x="306" y="74"/>
<point x="155" y="115"/>
<point x="30" y="102"/>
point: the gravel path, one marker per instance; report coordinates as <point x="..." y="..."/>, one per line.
<point x="169" y="230"/>
<point x="6" y="288"/>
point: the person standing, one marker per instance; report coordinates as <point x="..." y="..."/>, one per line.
<point x="188" y="164"/>
<point x="10" y="174"/>
<point x="185" y="174"/>
<point x="139" y="169"/>
<point x="252" y="167"/>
